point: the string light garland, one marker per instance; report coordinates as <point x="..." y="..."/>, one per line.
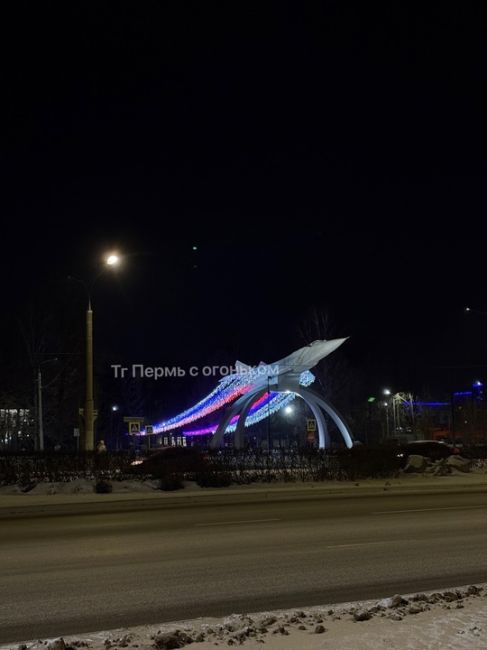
<point x="226" y="392"/>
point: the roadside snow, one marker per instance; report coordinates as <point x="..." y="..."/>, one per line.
<point x="454" y="619"/>
<point x="477" y="476"/>
<point x="80" y="486"/>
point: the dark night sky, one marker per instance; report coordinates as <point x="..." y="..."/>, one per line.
<point x="326" y="153"/>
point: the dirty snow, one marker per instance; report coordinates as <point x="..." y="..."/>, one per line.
<point x="454" y="619"/>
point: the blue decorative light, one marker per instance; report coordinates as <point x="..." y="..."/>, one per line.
<point x="276" y="402"/>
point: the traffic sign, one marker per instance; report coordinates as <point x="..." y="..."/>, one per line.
<point x="310" y="424"/>
<point x="134" y="424"/>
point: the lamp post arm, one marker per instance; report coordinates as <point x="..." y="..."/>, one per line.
<point x="87" y="288"/>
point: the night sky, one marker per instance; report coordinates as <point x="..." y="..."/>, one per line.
<point x="324" y="156"/>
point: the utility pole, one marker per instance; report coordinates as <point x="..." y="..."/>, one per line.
<point x="39" y="410"/>
<point x="89" y="402"/>
<point x="40" y="417"/>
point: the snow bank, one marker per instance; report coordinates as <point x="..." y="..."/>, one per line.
<point x="455" y="619"/>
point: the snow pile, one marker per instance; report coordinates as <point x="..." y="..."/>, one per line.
<point x="442" y="467"/>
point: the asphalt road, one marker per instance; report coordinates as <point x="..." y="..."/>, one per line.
<point x="73" y="574"/>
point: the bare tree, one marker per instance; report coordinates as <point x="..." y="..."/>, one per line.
<point x="333" y="372"/>
<point x="50" y="331"/>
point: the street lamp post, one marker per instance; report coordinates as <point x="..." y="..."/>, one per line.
<point x="90" y="402"/>
<point x="111" y="261"/>
<point x="39" y="409"/>
<point x="113" y="410"/>
<point x="387" y="392"/>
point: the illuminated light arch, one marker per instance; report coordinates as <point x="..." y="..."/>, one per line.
<point x="318" y="405"/>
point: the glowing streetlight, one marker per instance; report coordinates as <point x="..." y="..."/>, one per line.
<point x="288" y="410"/>
<point x="112" y="260"/>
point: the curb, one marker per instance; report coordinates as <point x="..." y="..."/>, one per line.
<point x="161" y="502"/>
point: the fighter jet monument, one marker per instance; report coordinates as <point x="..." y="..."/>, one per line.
<point x="285" y="376"/>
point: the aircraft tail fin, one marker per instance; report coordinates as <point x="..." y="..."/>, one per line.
<point x="242" y="367"/>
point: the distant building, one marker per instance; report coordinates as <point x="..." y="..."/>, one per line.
<point x="16" y="429"/>
<point x="469" y="414"/>
<point x="461" y="419"/>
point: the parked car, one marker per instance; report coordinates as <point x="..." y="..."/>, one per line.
<point x="432" y="449"/>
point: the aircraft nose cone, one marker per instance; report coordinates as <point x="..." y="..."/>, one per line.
<point x="327" y="347"/>
<point x="319" y="350"/>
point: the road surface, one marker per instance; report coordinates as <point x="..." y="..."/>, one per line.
<point x="86" y="572"/>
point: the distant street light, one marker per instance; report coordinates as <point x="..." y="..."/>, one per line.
<point x="288" y="410"/>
